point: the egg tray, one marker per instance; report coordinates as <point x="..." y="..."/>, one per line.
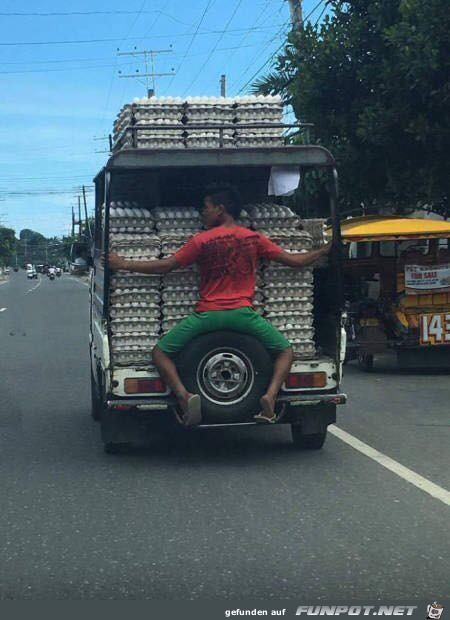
<point x="131" y="313"/>
<point x="178" y="229"/>
<point x="179" y="293"/>
<point x="131" y="339"/>
<point x="129" y="279"/>
<point x="134" y="324"/>
<point x="136" y="238"/>
<point x="317" y="229"/>
<point x="152" y="295"/>
<point x="129" y="358"/>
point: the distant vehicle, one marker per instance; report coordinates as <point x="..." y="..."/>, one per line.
<point x="58" y="271"/>
<point x="40" y="268"/>
<point x="16" y="268"/>
<point x="31" y="272"/>
<point x="79" y="265"/>
<point x="397" y="277"/>
<point x="7" y="270"/>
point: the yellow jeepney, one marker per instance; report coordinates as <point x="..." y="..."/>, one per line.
<point x="397" y="282"/>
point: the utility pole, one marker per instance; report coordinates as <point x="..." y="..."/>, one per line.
<point x="79" y="218"/>
<point x="73" y="223"/>
<point x="295" y="7"/>
<point x="223" y="85"/>
<point x="88" y="224"/>
<point x="149" y="61"/>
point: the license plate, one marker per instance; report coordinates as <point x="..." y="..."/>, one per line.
<point x="434" y="329"/>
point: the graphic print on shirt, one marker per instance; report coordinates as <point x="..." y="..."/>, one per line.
<point x="230" y="256"/>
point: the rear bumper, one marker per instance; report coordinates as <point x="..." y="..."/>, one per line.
<point x="161" y="404"/>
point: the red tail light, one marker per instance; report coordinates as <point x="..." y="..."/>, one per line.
<point x="299" y="380"/>
<point x="144" y="386"/>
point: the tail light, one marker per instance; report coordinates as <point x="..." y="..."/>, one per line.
<point x="144" y="386"/>
<point x="300" y="380"/>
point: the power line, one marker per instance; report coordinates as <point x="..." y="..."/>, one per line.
<point x="108" y="97"/>
<point x="159" y="36"/>
<point x="55" y="70"/>
<point x="86" y="13"/>
<point x="279" y="48"/>
<point x="263" y="10"/>
<point x="68" y="60"/>
<point x="236" y="8"/>
<point x="39" y="192"/>
<point x="149" y="57"/>
<point x="188" y="49"/>
<point x="320" y="16"/>
<point x="259" y="53"/>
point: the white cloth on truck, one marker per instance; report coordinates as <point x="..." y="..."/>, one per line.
<point x="283" y="180"/>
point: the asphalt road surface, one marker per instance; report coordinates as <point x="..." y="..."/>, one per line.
<point x="234" y="513"/>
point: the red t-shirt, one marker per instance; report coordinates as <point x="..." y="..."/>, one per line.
<point x="227" y="259"/>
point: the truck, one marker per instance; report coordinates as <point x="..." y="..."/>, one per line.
<point x="146" y="205"/>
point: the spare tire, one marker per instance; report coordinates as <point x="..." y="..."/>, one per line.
<point x="230" y="371"/>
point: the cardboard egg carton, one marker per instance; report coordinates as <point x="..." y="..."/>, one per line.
<point x="130" y="279"/>
<point x="134" y="324"/>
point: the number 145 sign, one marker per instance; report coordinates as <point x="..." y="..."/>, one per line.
<point x="435" y="329"/>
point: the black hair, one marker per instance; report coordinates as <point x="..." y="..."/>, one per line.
<point x="226" y="195"/>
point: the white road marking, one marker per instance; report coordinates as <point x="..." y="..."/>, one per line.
<point x="400" y="470"/>
<point x="34" y="287"/>
<point x="3" y="309"/>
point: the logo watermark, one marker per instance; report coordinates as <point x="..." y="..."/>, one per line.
<point x="434" y="610"/>
<point x="357" y="610"/>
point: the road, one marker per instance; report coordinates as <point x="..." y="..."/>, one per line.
<point x="235" y="513"/>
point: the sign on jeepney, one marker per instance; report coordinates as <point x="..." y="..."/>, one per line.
<point x="421" y="278"/>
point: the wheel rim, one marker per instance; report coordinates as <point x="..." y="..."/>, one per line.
<point x="225" y="376"/>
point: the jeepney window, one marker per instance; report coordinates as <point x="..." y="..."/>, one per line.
<point x="402" y="249"/>
<point x="387" y="248"/>
<point x="413" y="247"/>
<point x="363" y="249"/>
<point x="444" y="245"/>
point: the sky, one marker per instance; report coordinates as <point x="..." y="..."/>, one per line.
<point x="61" y="88"/>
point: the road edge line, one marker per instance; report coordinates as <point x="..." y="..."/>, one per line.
<point x="386" y="461"/>
<point x="79" y="281"/>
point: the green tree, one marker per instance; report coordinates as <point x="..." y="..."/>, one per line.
<point x="7" y="245"/>
<point x="373" y="77"/>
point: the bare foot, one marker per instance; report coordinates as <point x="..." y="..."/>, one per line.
<point x="267" y="413"/>
<point x="191" y="409"/>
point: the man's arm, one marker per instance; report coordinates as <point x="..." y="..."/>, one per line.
<point x="301" y="260"/>
<point x="164" y="265"/>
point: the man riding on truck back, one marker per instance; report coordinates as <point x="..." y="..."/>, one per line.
<point x="227" y="256"/>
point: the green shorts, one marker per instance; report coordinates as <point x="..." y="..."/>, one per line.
<point x="245" y="320"/>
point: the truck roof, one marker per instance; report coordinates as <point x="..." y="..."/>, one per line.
<point x="304" y="156"/>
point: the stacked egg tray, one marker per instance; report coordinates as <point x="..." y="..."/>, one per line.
<point x="135" y="317"/>
<point x="182" y="120"/>
<point x="317" y="229"/>
<point x="180" y="287"/>
<point x="134" y="306"/>
<point x="209" y="111"/>
<point x="143" y="307"/>
<point x="153" y="111"/>
<point x="288" y="293"/>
